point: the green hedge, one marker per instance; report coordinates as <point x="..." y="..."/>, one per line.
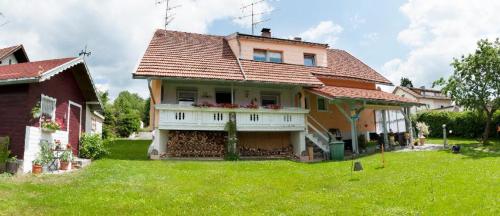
<point x="463" y="124"/>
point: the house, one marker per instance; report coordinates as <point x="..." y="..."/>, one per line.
<point x="430" y="98"/>
<point x="60" y="90"/>
<point x="282" y="92"/>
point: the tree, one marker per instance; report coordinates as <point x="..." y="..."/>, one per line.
<point x="475" y="83"/>
<point x="108" y="128"/>
<point x="128" y="110"/>
<point x="406" y="82"/>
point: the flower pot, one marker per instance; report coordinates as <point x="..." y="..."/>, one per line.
<point x="422" y="140"/>
<point x="2" y="167"/>
<point x="48" y="130"/>
<point x="64" y="165"/>
<point x="36" y="169"/>
<point x="12" y="167"/>
<point x="310" y="152"/>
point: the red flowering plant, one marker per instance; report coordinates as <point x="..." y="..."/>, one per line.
<point x="252" y="105"/>
<point x="204" y="104"/>
<point x="273" y="106"/>
<point x="49" y="124"/>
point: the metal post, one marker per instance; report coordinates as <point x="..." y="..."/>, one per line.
<point x="354" y="136"/>
<point x="384" y="126"/>
<point x="445" y="140"/>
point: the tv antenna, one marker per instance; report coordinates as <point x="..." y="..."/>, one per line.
<point x="254" y="13"/>
<point x="84" y="52"/>
<point x="168" y="15"/>
<point x="5" y="22"/>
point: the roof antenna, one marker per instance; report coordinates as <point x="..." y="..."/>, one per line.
<point x="5" y="22"/>
<point x="168" y="16"/>
<point x="84" y="52"/>
<point x="254" y="13"/>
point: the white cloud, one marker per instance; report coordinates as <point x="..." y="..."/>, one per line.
<point x="117" y="32"/>
<point x="324" y="32"/>
<point x="369" y="38"/>
<point x="356" y="21"/>
<point x="438" y="32"/>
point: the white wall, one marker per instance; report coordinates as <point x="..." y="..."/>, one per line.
<point x="89" y="117"/>
<point x="12" y="58"/>
<point x="240" y="92"/>
<point x="32" y="144"/>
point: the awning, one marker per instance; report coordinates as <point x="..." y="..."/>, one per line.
<point x="370" y="96"/>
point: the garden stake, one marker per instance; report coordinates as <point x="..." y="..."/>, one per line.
<point x="383" y="159"/>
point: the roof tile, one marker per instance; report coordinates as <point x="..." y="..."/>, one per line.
<point x="356" y="93"/>
<point x="30" y="69"/>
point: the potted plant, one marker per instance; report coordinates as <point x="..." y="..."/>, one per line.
<point x="423" y="130"/>
<point x="46" y="154"/>
<point x="36" y="111"/>
<point x="49" y="126"/>
<point x="37" y="166"/>
<point x="64" y="160"/>
<point x="12" y="165"/>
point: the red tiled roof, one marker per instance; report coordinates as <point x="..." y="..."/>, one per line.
<point x="343" y="64"/>
<point x="30" y="69"/>
<point x="356" y="93"/>
<point x="280" y="73"/>
<point x="189" y="55"/>
<point x="4" y="52"/>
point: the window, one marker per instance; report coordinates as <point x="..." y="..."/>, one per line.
<point x="223" y="96"/>
<point x="187" y="96"/>
<point x="321" y="104"/>
<point x="269" y="98"/>
<point x="94" y="124"/>
<point x="309" y="60"/>
<point x="259" y="55"/>
<point x="48" y="107"/>
<point x="267" y="56"/>
<point x="274" y="57"/>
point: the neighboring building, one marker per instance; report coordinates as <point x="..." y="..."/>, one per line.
<point x="430" y="98"/>
<point x="282" y="93"/>
<point x="64" y="92"/>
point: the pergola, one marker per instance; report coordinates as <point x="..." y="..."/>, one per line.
<point x="352" y="101"/>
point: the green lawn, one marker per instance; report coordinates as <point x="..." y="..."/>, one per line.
<point x="125" y="183"/>
<point x="461" y="141"/>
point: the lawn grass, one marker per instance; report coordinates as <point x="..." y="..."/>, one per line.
<point x="461" y="141"/>
<point x="126" y="183"/>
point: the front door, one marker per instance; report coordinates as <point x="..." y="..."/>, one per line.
<point x="74" y="127"/>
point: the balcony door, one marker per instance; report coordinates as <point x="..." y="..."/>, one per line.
<point x="223" y="96"/>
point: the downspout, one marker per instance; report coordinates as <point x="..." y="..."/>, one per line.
<point x="154" y="103"/>
<point x="238" y="58"/>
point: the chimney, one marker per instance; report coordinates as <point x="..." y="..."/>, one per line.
<point x="297" y="38"/>
<point x="266" y="32"/>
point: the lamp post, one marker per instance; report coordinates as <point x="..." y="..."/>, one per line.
<point x="445" y="140"/>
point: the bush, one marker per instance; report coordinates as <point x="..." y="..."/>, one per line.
<point x="465" y="124"/>
<point x="92" y="146"/>
<point x="4" y="150"/>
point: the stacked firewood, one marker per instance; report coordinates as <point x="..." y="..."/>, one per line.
<point x="283" y="152"/>
<point x="196" y="144"/>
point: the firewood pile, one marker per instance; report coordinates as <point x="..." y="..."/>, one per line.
<point x="196" y="144"/>
<point x="283" y="152"/>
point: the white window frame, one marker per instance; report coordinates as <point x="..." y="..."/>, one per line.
<point x="54" y="100"/>
<point x="193" y="90"/>
<point x="277" y="95"/>
<point x="317" y="104"/>
<point x="313" y="59"/>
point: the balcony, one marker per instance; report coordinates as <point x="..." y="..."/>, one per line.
<point x="185" y="117"/>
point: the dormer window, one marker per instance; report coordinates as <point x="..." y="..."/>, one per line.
<point x="267" y="56"/>
<point x="309" y="59"/>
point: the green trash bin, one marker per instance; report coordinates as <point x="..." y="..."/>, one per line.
<point x="337" y="150"/>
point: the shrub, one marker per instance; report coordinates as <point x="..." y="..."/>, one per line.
<point x="92" y="146"/>
<point x="4" y="150"/>
<point x="465" y="124"/>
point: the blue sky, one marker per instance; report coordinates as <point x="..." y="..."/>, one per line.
<point x="411" y="38"/>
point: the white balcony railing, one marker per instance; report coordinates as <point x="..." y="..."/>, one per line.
<point x="178" y="117"/>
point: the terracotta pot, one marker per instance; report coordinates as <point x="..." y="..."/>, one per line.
<point x="310" y="152"/>
<point x="36" y="169"/>
<point x="422" y="141"/>
<point x="12" y="167"/>
<point x="64" y="165"/>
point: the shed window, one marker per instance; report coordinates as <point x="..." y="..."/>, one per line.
<point x="321" y="104"/>
<point x="309" y="60"/>
<point x="269" y="98"/>
<point x="48" y="107"/>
